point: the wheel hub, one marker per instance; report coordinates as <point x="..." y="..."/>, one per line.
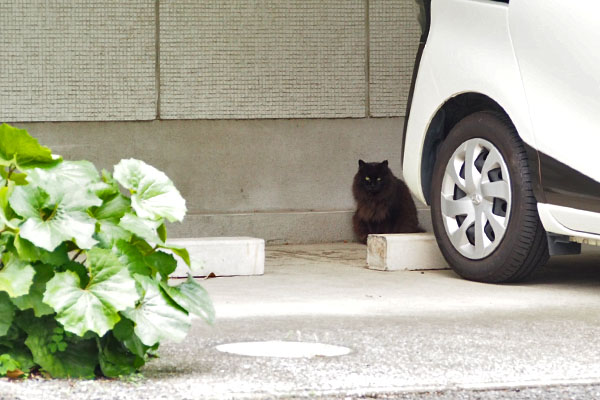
<point x="476" y="198"/>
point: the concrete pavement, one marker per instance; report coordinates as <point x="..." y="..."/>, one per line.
<point x="409" y="332"/>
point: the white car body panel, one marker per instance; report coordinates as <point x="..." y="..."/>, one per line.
<point x="472" y="47"/>
<point x="563" y="37"/>
<point x="459" y="29"/>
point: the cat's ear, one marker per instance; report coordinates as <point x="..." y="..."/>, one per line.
<point x="385" y="163"/>
<point x="361" y="163"/>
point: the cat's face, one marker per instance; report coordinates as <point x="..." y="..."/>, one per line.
<point x="373" y="176"/>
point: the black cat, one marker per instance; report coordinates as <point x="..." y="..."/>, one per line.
<point x="383" y="202"/>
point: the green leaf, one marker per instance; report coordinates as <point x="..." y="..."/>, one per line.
<point x="109" y="187"/>
<point x="181" y="252"/>
<point x="74" y="225"/>
<point x="7" y="313"/>
<point x="155" y="317"/>
<point x="17" y="178"/>
<point x="19" y="148"/>
<point x="13" y="344"/>
<point x="144" y="228"/>
<point x="6" y="241"/>
<point x="108" y="215"/>
<point x="67" y="186"/>
<point x="130" y="256"/>
<point x="29" y="201"/>
<point x="79" y="269"/>
<point x="162" y="262"/>
<point x="16" y="277"/>
<point x="21" y="354"/>
<point x="13" y="335"/>
<point x="102" y="190"/>
<point x="29" y="252"/>
<point x="109" y="233"/>
<point x="142" y="245"/>
<point x="153" y="194"/>
<point x="191" y="296"/>
<point x="33" y="300"/>
<point x="78" y="360"/>
<point x="95" y="307"/>
<point x="74" y="173"/>
<point x="55" y="215"/>
<point x="115" y="359"/>
<point x="162" y="232"/>
<point x="7" y="363"/>
<point x="113" y="208"/>
<point x="6" y="213"/>
<point x="124" y="331"/>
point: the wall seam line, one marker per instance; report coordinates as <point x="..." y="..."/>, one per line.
<point x="367" y="60"/>
<point x="157" y="55"/>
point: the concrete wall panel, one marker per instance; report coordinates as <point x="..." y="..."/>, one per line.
<point x="222" y="59"/>
<point x="275" y="179"/>
<point x="393" y="42"/>
<point x="64" y="60"/>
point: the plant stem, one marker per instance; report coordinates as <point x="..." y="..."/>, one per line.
<point x="151" y="251"/>
<point x="77" y="255"/>
<point x="53" y="212"/>
<point x="10" y="171"/>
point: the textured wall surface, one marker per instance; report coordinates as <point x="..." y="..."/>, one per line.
<point x="393" y="43"/>
<point x="282" y="180"/>
<point x="64" y="60"/>
<point x="219" y="59"/>
<point x="262" y="58"/>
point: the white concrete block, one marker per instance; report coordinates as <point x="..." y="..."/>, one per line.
<point x="222" y="256"/>
<point x="404" y="251"/>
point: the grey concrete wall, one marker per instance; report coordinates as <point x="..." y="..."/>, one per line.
<point x="282" y="180"/>
<point x="87" y="60"/>
<point x="239" y="98"/>
<point x="262" y="59"/>
<point x="113" y="60"/>
<point x="393" y="43"/>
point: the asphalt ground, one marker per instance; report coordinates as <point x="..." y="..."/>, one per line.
<point x="418" y="334"/>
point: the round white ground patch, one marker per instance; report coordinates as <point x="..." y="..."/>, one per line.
<point x="276" y="348"/>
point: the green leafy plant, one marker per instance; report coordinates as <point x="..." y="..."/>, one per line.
<point x="84" y="267"/>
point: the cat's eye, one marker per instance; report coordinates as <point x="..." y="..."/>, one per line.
<point x="367" y="179"/>
<point x="378" y="179"/>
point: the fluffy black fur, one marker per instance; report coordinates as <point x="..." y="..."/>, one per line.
<point x="383" y="202"/>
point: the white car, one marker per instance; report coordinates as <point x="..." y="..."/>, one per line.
<point x="502" y="138"/>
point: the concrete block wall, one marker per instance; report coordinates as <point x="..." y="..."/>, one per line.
<point x="393" y="42"/>
<point x="223" y="59"/>
<point x="113" y="60"/>
<point x="87" y="60"/>
<point x="245" y="105"/>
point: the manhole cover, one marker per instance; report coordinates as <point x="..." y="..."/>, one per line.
<point x="283" y="349"/>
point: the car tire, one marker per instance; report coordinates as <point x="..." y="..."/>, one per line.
<point x="483" y="209"/>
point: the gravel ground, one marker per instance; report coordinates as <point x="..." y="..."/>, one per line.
<point x="542" y="392"/>
<point x="413" y="335"/>
<point x="138" y="390"/>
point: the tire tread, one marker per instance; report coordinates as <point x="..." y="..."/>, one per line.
<point x="530" y="247"/>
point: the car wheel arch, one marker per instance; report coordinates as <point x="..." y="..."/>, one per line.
<point x="447" y="116"/>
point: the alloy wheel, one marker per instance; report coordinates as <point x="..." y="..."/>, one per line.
<point x="476" y="198"/>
